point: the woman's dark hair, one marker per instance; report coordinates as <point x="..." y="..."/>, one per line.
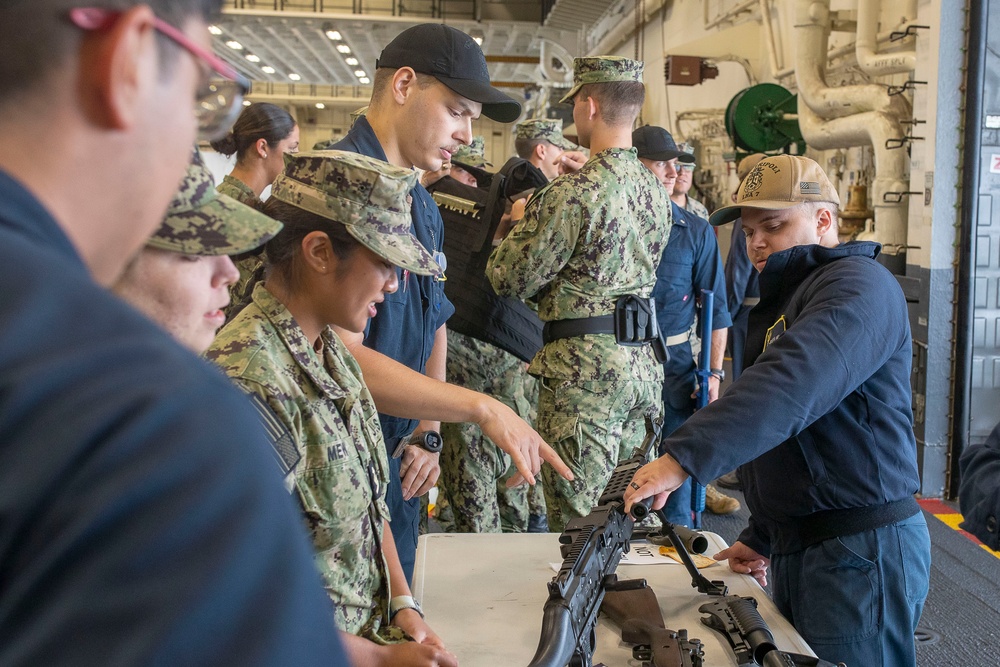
<point x="261" y="120"/>
<point x="280" y="251"/>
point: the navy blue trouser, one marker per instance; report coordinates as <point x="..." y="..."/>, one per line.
<point x="857" y="599"/>
<point x="677" y="407"/>
<point x="405" y="518"/>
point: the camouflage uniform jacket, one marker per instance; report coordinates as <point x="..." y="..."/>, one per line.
<point x="340" y="480"/>
<point x="694" y="206"/>
<point x="585" y="240"/>
<point x="239" y="191"/>
<point x="250" y="265"/>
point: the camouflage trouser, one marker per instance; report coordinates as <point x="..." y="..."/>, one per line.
<point x="591" y="425"/>
<point x="474" y="470"/>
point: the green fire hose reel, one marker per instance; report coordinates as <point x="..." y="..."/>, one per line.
<point x="763" y="118"/>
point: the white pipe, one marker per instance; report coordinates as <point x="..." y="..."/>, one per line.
<point x="731" y="14"/>
<point x="813" y="31"/>
<point x="624" y="30"/>
<point x="871" y="128"/>
<point x="851" y="116"/>
<point x="765" y="19"/>
<point x="866" y="47"/>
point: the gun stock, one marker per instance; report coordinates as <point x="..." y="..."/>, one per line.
<point x="634" y="608"/>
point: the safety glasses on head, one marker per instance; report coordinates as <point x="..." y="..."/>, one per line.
<point x="220" y="99"/>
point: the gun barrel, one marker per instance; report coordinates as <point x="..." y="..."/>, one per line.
<point x="753" y="627"/>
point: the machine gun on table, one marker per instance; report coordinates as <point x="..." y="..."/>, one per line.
<point x="592" y="546"/>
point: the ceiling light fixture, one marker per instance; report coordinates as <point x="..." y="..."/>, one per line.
<point x="353" y="62"/>
<point x="247" y="103"/>
<point x="343" y="48"/>
<point x="215" y="30"/>
<point x="267" y="69"/>
<point x="320" y="105"/>
<point x="234" y="45"/>
<point x="477" y="36"/>
<point x="252" y="58"/>
<point x="365" y="80"/>
<point x="294" y="77"/>
<point x="331" y="32"/>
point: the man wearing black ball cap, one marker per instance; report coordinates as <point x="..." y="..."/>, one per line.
<point x="430" y="83"/>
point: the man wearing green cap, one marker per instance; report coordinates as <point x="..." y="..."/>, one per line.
<point x="347" y="228"/>
<point x="180" y="279"/>
<point x="540" y="141"/>
<point x="586" y="250"/>
<point x="468" y="163"/>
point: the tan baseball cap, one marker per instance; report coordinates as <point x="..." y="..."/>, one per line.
<point x="748" y="163"/>
<point x="779" y="182"/>
<point x="368" y="196"/>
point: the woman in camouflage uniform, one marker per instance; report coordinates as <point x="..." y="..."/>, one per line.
<point x="259" y="139"/>
<point x="347" y="221"/>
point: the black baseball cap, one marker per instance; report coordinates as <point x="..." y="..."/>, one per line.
<point x="454" y="59"/>
<point x="655" y="143"/>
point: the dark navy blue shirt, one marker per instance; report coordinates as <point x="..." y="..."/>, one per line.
<point x="689" y="264"/>
<point x="408" y="319"/>
<point x="142" y="516"/>
<point x="741" y="276"/>
<point x="744" y="291"/>
<point x="979" y="494"/>
<point x="821" y="415"/>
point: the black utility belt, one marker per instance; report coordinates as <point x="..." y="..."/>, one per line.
<point x="827" y="524"/>
<point x="633" y="324"/>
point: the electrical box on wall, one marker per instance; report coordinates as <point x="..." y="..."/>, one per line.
<point x="688" y="70"/>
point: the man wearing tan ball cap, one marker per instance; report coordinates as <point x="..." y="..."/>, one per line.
<point x="820" y="426"/>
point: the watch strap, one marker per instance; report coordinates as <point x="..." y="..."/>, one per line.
<point x="401" y="602"/>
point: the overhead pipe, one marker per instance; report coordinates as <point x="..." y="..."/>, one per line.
<point x="853" y="116"/>
<point x="866" y="47"/>
<point x="812" y="28"/>
<point x="772" y="51"/>
<point x="625" y="29"/>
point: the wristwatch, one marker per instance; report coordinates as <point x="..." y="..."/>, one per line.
<point x="718" y="372"/>
<point x="401" y="602"/>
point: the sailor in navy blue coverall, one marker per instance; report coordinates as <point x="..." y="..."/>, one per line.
<point x="415" y="120"/>
<point x="690" y="263"/>
<point x="821" y="425"/>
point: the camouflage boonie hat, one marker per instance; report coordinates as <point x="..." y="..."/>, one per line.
<point x="547" y="129"/>
<point x="368" y="196"/>
<point x="603" y="69"/>
<point x="201" y="221"/>
<point x="473" y="155"/>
